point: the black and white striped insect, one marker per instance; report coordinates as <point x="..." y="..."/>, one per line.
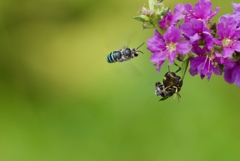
<point x="124" y="54"/>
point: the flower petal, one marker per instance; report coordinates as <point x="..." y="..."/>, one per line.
<point x="236" y="7"/>
<point x="228" y="75"/>
<point x="172" y="57"/>
<point x="236" y="46"/>
<point x="173" y="34"/>
<point x="160" y="63"/>
<point x="227" y="52"/>
<point x="183" y="47"/>
<point x="156" y="43"/>
<point x="188" y="29"/>
<point x="236" y="74"/>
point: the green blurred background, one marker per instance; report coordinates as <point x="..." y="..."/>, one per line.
<point x="61" y="101"/>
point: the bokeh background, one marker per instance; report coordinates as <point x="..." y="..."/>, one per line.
<point x="61" y="101"/>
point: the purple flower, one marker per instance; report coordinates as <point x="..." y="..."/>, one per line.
<point x="172" y="19"/>
<point x="236" y="8"/>
<point x="219" y="59"/>
<point x="201" y="11"/>
<point x="167" y="47"/>
<point x="236" y="12"/>
<point x="155" y="45"/>
<point x="232" y="74"/>
<point x="228" y="36"/>
<point x="196" y="31"/>
<point x="166" y="21"/>
<point x="204" y="65"/>
<point x="235" y="15"/>
<point x="208" y="63"/>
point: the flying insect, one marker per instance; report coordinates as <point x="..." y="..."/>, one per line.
<point x="124" y="54"/>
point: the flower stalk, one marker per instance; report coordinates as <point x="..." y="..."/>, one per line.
<point x="187" y="34"/>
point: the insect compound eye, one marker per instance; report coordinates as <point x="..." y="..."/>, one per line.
<point x="127" y="52"/>
<point x="134" y="51"/>
<point x="117" y="55"/>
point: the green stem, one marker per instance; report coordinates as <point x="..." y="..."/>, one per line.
<point x="184" y="66"/>
<point x="157" y="27"/>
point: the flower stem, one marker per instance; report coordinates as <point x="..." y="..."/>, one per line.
<point x="157" y="27"/>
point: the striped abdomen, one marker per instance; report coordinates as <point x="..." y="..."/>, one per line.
<point x="114" y="57"/>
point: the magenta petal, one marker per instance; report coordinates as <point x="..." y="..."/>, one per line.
<point x="237" y="32"/>
<point x="159" y="66"/>
<point x="193" y="72"/>
<point x="236" y="46"/>
<point x="173" y="34"/>
<point x="179" y="8"/>
<point x="237" y="82"/>
<point x="227" y="52"/>
<point x="201" y="65"/>
<point x="166" y="21"/>
<point x="221" y="31"/>
<point x="188" y="29"/>
<point x="158" y="56"/>
<point x="216" y="70"/>
<point x="156" y="43"/>
<point x="198" y="25"/>
<point x="155" y="57"/>
<point x="202" y="10"/>
<point x="183" y="47"/>
<point x="194" y="38"/>
<point x="228" y="75"/>
<point x="178" y="13"/>
<point x="236" y="7"/>
<point x="236" y="74"/>
<point x="214" y="13"/>
<point x="194" y="64"/>
<point x="172" y="57"/>
<point x="218" y="42"/>
<point x="158" y="59"/>
<point x="232" y="74"/>
<point x="196" y="49"/>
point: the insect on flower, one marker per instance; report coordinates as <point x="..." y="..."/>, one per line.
<point x="171" y="85"/>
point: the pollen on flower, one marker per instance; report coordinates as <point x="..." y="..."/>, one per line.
<point x="171" y="47"/>
<point x="226" y="42"/>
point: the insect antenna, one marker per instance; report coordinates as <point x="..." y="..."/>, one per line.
<point x="140" y="45"/>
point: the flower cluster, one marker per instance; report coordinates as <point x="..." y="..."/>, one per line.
<point x="188" y="33"/>
<point x="150" y="17"/>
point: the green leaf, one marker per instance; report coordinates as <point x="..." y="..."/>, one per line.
<point x="142" y="18"/>
<point x="184" y="67"/>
